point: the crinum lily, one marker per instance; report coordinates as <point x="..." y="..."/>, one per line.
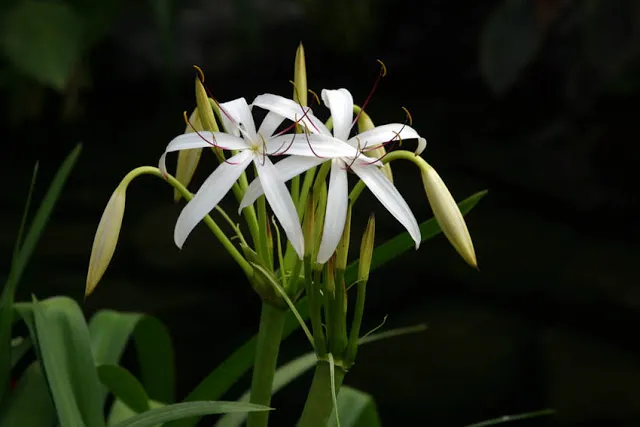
<point x="340" y="103"/>
<point x="250" y="146"/>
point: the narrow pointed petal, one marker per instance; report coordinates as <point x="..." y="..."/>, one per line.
<point x="448" y="215"/>
<point x="383" y="134"/>
<point x="292" y="111"/>
<point x="235" y="113"/>
<point x="389" y="196"/>
<point x="270" y="124"/>
<point x="210" y="193"/>
<point x="336" y="214"/>
<point x="281" y="203"/>
<point x="312" y="145"/>
<point x="287" y="168"/>
<point x="340" y="102"/>
<point x="200" y="140"/>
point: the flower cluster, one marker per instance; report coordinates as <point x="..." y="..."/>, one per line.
<point x="293" y="154"/>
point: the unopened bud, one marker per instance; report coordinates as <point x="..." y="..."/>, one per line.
<point x="448" y="214"/>
<point x="188" y="159"/>
<point x="106" y="238"/>
<point x="364" y="124"/>
<point x="205" y="111"/>
<point x="342" y="251"/>
<point x="300" y="78"/>
<point x="366" y="249"/>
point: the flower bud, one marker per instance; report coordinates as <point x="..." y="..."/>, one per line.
<point x="342" y="251"/>
<point x="364" y="124"/>
<point x="106" y="238"/>
<point x="300" y="78"/>
<point x="188" y="159"/>
<point x="366" y="250"/>
<point x="205" y="111"/>
<point x="448" y="214"/>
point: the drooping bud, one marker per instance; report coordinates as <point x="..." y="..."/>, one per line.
<point x="364" y="124"/>
<point x="448" y="214"/>
<point x="188" y="159"/>
<point x="300" y="77"/>
<point x="106" y="238"/>
<point x="366" y="249"/>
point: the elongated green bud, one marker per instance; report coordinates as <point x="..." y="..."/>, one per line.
<point x="205" y="111"/>
<point x="106" y="238"/>
<point x="342" y="251"/>
<point x="366" y="249"/>
<point x="300" y="77"/>
<point x="448" y="214"/>
<point x="188" y="159"/>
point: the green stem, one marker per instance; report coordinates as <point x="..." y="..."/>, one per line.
<point x="269" y="337"/>
<point x="319" y="404"/>
<point x="186" y="194"/>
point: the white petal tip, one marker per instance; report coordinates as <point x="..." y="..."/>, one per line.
<point x="422" y="144"/>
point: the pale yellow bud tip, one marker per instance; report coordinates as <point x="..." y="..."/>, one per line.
<point x="106" y="239"/>
<point x="448" y="215"/>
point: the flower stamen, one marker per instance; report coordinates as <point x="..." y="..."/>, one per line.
<point x="381" y="74"/>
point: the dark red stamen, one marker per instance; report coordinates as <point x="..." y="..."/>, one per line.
<point x="381" y="74"/>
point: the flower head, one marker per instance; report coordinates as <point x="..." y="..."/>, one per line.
<point x="340" y="103"/>
<point x="252" y="147"/>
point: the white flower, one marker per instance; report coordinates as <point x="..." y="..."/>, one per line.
<point x="340" y="102"/>
<point x="253" y="147"/>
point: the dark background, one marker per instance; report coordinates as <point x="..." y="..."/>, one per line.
<point x="535" y="100"/>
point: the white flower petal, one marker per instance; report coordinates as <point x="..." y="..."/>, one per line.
<point x="310" y="145"/>
<point x="240" y="115"/>
<point x="201" y="140"/>
<point x="210" y="193"/>
<point x="389" y="196"/>
<point x="270" y="124"/>
<point x="291" y="110"/>
<point x="336" y="214"/>
<point x="382" y="134"/>
<point x="279" y="199"/>
<point x="340" y="102"/>
<point x="287" y="169"/>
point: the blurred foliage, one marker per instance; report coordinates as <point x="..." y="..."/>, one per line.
<point x="45" y="45"/>
<point x="594" y="43"/>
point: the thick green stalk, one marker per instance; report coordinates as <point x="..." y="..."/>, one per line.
<point x="269" y="337"/>
<point x="319" y="404"/>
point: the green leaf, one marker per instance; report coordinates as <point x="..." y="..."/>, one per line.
<point x="228" y="372"/>
<point x="43" y="39"/>
<point x="19" y="349"/>
<point x="509" y="42"/>
<point x="22" y="255"/>
<point x="120" y="412"/>
<point x="64" y="348"/>
<point x="185" y="410"/>
<point x="124" y="386"/>
<point x="110" y="332"/>
<point x="511" y="418"/>
<point x="156" y="359"/>
<point x="356" y="409"/>
<point x="29" y="404"/>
